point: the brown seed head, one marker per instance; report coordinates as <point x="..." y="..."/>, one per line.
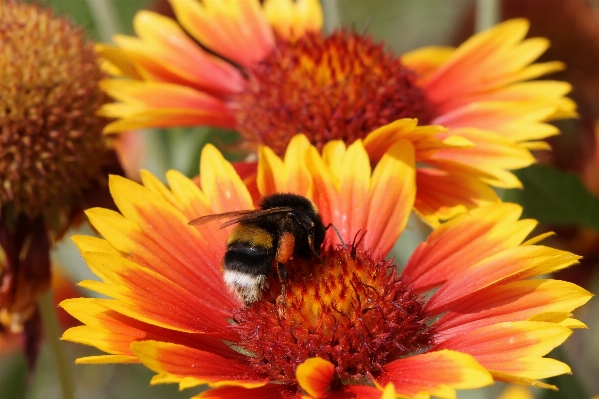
<point x="51" y="142"/>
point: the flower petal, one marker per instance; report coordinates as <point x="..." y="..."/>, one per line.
<point x="291" y="19"/>
<point x="485" y="61"/>
<point x="288" y="176"/>
<point x="167" y="45"/>
<point x="517" y="121"/>
<point x="442" y="195"/>
<point x="155" y="104"/>
<point x="368" y="392"/>
<point x="237" y="30"/>
<point x="221" y="184"/>
<point x="517" y="301"/>
<point x="424" y="139"/>
<point x="509" y="265"/>
<point x="438" y="373"/>
<point x="550" y="92"/>
<point x="464" y="241"/>
<point x="119" y="59"/>
<point x="492" y="155"/>
<point x="113" y="332"/>
<point x="391" y="197"/>
<point x="352" y="210"/>
<point x="149" y="297"/>
<point x="326" y="189"/>
<point x="514" y="348"/>
<point x="314" y="375"/>
<point x="270" y="391"/>
<point x="188" y="363"/>
<point x="426" y="60"/>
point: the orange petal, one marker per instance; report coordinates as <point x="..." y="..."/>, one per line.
<point x="167" y="45"/>
<point x="292" y="19"/>
<point x="221" y="184"/>
<point x="272" y="174"/>
<point x="426" y="60"/>
<point x="299" y="181"/>
<point x="145" y="104"/>
<point x="464" y="241"/>
<point x="442" y="195"/>
<point x="514" y="348"/>
<point x="326" y="191"/>
<point x="237" y="30"/>
<point x="509" y="265"/>
<point x="486" y="61"/>
<point x="354" y="186"/>
<point x="288" y="176"/>
<point x="491" y="155"/>
<point x="424" y="139"/>
<point x="184" y="363"/>
<point x="113" y="332"/>
<point x="157" y="237"/>
<point x="391" y="197"/>
<point x="107" y="359"/>
<point x="118" y="58"/>
<point x="367" y="392"/>
<point x="270" y="391"/>
<point x="149" y="297"/>
<point x="436" y="373"/>
<point x="517" y="121"/>
<point x="517" y="301"/>
<point x="314" y="375"/>
<point x="550" y="92"/>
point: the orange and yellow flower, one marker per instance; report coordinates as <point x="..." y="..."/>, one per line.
<point x="467" y="309"/>
<point x="268" y="72"/>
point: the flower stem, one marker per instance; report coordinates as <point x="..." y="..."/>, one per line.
<point x="52" y="336"/>
<point x="331" y="15"/>
<point x="106" y="18"/>
<point x="488" y="13"/>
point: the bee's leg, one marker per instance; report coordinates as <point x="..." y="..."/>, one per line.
<point x="282" y="272"/>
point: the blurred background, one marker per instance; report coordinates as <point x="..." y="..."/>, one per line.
<point x="561" y="191"/>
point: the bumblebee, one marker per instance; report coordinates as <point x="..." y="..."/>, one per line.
<point x="284" y="226"/>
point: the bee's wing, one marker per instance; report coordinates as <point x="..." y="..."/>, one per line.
<point x="209" y="218"/>
<point x="256" y="215"/>
<point x="238" y="216"/>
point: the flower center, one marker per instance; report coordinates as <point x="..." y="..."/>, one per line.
<point x="351" y="310"/>
<point x="340" y="87"/>
<point x="51" y="142"/>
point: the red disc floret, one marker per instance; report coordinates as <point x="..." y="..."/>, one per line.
<point x="338" y="87"/>
<point x="350" y="309"/>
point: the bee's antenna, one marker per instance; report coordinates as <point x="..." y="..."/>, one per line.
<point x="338" y="235"/>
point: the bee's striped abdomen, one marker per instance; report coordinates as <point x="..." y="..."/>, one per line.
<point x="248" y="261"/>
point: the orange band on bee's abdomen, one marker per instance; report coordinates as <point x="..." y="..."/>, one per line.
<point x="251" y="234"/>
<point x="285" y="248"/>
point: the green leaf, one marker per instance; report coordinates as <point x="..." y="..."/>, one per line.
<point x="555" y="197"/>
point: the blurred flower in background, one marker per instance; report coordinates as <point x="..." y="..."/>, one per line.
<point x="350" y="325"/>
<point x="269" y="72"/>
<point x="516" y="392"/>
<point x="53" y="155"/>
<point x="62" y="288"/>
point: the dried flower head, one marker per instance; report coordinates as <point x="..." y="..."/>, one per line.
<point x="51" y="142"/>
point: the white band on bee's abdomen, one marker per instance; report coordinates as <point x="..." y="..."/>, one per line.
<point x="248" y="287"/>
